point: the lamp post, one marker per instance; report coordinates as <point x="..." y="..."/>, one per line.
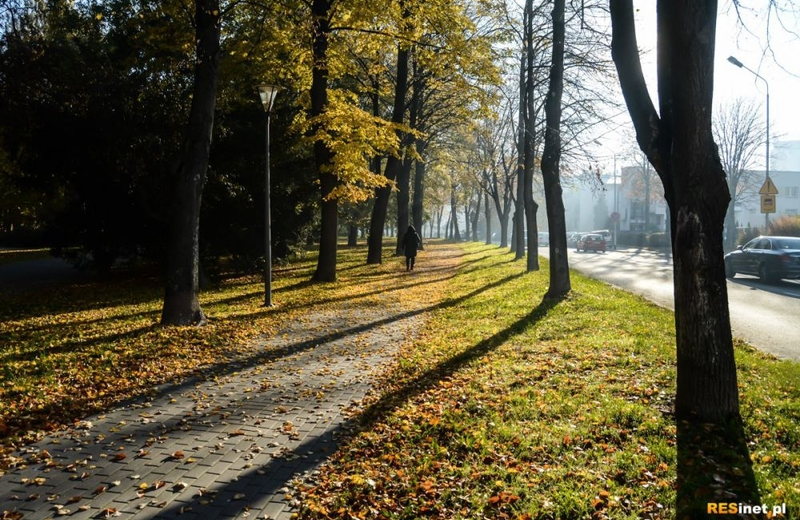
<point x="615" y="215"/>
<point x="757" y="75"/>
<point x="267" y="95"/>
<point x="616" y="205"/>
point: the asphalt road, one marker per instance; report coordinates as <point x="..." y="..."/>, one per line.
<point x="764" y="315"/>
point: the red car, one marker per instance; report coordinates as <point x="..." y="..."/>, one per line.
<point x="594" y="242"/>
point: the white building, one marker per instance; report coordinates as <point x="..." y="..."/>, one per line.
<point x="785" y="174"/>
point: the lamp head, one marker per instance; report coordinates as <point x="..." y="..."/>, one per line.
<point x="735" y="62"/>
<point x="267" y="94"/>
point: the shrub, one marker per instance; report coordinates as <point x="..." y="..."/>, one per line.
<point x="658" y="240"/>
<point x="632" y="238"/>
<point x="787" y="225"/>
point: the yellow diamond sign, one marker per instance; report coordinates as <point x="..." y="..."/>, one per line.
<point x="768" y="188"/>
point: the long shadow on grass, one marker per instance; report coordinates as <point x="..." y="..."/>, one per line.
<point x="429" y="378"/>
<point x="410" y="281"/>
<point x="229" y="366"/>
<point x="77" y="344"/>
<point x="714" y="467"/>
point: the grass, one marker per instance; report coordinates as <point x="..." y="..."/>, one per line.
<point x="507" y="407"/>
<point x="501" y="407"/>
<point x="69" y="351"/>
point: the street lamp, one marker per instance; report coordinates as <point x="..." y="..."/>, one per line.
<point x="757" y="75"/>
<point x="616" y="205"/>
<point x="267" y="94"/>
<point x="615" y="215"/>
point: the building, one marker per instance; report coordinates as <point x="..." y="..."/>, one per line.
<point x="785" y="174"/>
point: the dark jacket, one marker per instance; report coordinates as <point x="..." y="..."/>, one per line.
<point x="411" y="242"/>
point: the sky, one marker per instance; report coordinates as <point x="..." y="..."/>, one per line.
<point x="779" y="65"/>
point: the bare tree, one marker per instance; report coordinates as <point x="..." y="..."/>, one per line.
<point x="560" y="284"/>
<point x="498" y="166"/>
<point x="642" y="186"/>
<point x="739" y="132"/>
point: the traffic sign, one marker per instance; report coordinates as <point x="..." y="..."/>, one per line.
<point x="768" y="188"/>
<point x="767" y="204"/>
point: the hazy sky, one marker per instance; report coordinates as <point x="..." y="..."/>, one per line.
<point x="776" y="59"/>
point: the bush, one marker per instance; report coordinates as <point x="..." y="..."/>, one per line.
<point x="632" y="238"/>
<point x="658" y="240"/>
<point x="787" y="225"/>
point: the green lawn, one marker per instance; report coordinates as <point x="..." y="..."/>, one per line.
<point x="505" y="407"/>
<point x="501" y="407"/>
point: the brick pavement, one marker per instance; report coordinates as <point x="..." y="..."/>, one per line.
<point x="232" y="446"/>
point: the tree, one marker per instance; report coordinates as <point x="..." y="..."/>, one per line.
<point x="679" y="143"/>
<point x="393" y="162"/>
<point x="551" y="157"/>
<point x="739" y="132"/>
<point x="528" y="117"/>
<point x="448" y="64"/>
<point x="321" y="11"/>
<point x="181" y="304"/>
<point x="497" y="165"/>
<point x="641" y="186"/>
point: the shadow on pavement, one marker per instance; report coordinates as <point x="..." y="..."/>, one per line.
<point x="313" y="451"/>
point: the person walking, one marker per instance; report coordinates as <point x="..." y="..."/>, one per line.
<point x="411" y="243"/>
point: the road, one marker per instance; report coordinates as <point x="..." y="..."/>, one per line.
<point x="763" y="315"/>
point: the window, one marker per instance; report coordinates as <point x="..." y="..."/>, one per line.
<point x="793" y="191"/>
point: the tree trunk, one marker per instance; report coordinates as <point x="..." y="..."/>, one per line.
<point x="467" y="221"/>
<point x="454" y="214"/>
<point x="551" y="157"/>
<point x="393" y="163"/>
<point x="531" y="208"/>
<point x="731" y="233"/>
<point x="417" y="204"/>
<point x="502" y="216"/>
<point x="647" y="180"/>
<point x="329" y="222"/>
<point x="181" y="304"/>
<point x="403" y="200"/>
<point x="352" y="235"/>
<point x="488" y="216"/>
<point x="518" y="237"/>
<point x="680" y="146"/>
<point x="475" y="218"/>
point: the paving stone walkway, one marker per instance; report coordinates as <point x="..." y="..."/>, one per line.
<point x="232" y="446"/>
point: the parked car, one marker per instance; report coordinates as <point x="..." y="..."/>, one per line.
<point x="606" y="234"/>
<point x="544" y="238"/>
<point x="769" y="258"/>
<point x="572" y="238"/>
<point x="591" y="241"/>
